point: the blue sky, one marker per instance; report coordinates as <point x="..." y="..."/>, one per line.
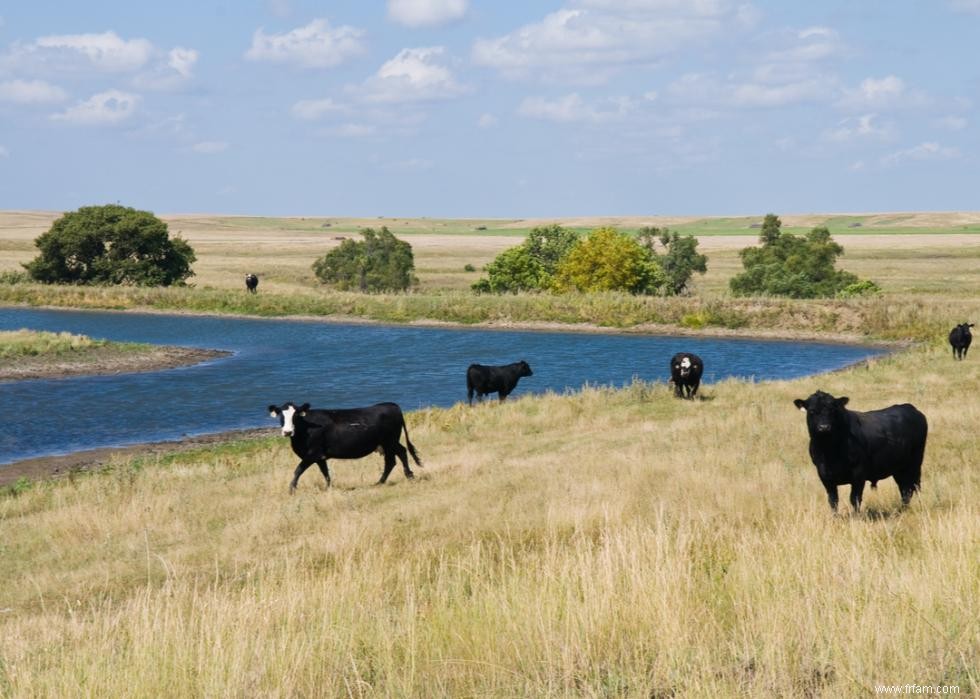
<point x="474" y="108"/>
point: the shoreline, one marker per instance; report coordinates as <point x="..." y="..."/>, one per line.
<point x="651" y="329"/>
<point x="105" y="361"/>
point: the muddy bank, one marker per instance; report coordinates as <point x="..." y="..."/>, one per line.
<point x="104" y="360"/>
<point x="58" y="466"/>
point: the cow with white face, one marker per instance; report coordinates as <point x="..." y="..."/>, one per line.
<point x="318" y="435"/>
<point x="251" y="283"/>
<point x="685" y="373"/>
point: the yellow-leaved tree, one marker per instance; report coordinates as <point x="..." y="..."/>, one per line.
<point x="608" y="260"/>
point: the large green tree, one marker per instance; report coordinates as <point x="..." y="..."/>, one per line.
<point x="793" y="265"/>
<point x="530" y="266"/>
<point x="680" y="259"/>
<point x="111" y="244"/>
<point x="380" y="262"/>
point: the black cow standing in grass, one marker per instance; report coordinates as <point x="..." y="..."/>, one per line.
<point x="251" y="283"/>
<point x="685" y="373"/>
<point x="960" y="338"/>
<point x="318" y="435"/>
<point x="483" y="380"/>
<point x="847" y="446"/>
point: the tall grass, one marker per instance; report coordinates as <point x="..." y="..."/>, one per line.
<point x="32" y="343"/>
<point x="604" y="543"/>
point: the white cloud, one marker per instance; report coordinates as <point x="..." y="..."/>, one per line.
<point x="929" y="150"/>
<point x="572" y="108"/>
<point x="316" y="109"/>
<point x="31" y="92"/>
<point x="858" y="128"/>
<point x="882" y="93"/>
<point x="105" y="52"/>
<point x="355" y="130"/>
<point x="317" y="45"/>
<point x="210" y="147"/>
<point x="182" y="60"/>
<point x="109" y="107"/>
<point x="421" y="13"/>
<point x="971" y="6"/>
<point x="413" y="75"/>
<point x="697" y="88"/>
<point x="590" y="40"/>
<point x="487" y="121"/>
<point x="952" y="123"/>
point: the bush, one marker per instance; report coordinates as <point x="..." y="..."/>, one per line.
<point x="609" y="261"/>
<point x="530" y="266"/>
<point x="792" y="265"/>
<point x="380" y="262"/>
<point x="111" y="244"/>
<point x="864" y="287"/>
<point x="469" y="268"/>
<point x="680" y="260"/>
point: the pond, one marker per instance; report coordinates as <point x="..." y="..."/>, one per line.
<point x="336" y="365"/>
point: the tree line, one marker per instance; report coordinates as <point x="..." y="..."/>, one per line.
<point x="113" y="244"/>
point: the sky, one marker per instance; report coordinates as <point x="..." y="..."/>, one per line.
<point x="491" y="108"/>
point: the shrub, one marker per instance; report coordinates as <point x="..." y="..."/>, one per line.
<point x="469" y="268"/>
<point x="608" y="260"/>
<point x="110" y="244"/>
<point x="864" y="287"/>
<point x="380" y="262"/>
<point x="792" y="265"/>
<point x="530" y="266"/>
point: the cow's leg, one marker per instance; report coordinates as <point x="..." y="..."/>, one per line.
<point x="502" y="396"/>
<point x="402" y="454"/>
<point x="303" y="465"/>
<point x="469" y="394"/>
<point x="389" y="465"/>
<point x="322" y="463"/>
<point x="831" y="495"/>
<point x="857" y="490"/>
<point x="905" y="489"/>
<point x="678" y="390"/>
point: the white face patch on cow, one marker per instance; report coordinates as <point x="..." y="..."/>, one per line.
<point x="686" y="363"/>
<point x="802" y="409"/>
<point x="287" y="421"/>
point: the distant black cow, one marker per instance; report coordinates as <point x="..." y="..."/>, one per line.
<point x="251" y="283"/>
<point x="501" y="380"/>
<point x="318" y="435"/>
<point x="960" y="338"/>
<point x="851" y="447"/>
<point x="685" y="373"/>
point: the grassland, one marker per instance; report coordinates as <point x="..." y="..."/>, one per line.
<point x="598" y="544"/>
<point x="606" y="543"/>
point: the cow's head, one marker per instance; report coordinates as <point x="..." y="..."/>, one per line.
<point x="525" y="369"/>
<point x="966" y="327"/>
<point x="824" y="413"/>
<point x="683" y="366"/>
<point x="287" y="413"/>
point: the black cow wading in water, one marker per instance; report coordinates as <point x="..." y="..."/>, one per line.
<point x="483" y="380"/>
<point x="352" y="433"/>
<point x="848" y="446"/>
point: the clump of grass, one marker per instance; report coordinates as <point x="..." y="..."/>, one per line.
<point x="32" y="343"/>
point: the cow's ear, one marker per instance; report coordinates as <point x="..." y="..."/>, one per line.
<point x="801" y="404"/>
<point x="273" y="411"/>
<point x="303" y="408"/>
<point x="842" y="401"/>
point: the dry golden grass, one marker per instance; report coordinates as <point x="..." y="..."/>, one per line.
<point x="606" y="543"/>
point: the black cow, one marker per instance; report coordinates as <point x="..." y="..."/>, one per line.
<point x="851" y="447"/>
<point x="501" y="380"/>
<point x="960" y="338"/>
<point x="251" y="283"/>
<point x="318" y="435"/>
<point x="685" y="373"/>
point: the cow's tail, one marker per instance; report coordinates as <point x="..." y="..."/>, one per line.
<point x="411" y="447"/>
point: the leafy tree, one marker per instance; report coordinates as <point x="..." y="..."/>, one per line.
<point x="794" y="266"/>
<point x="111" y="244"/>
<point x="608" y="260"/>
<point x="531" y="265"/>
<point x="680" y="260"/>
<point x="380" y="262"/>
<point x="771" y="229"/>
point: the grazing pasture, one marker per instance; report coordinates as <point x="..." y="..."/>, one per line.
<point x="606" y="543"/>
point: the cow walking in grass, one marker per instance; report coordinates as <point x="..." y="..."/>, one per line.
<point x="483" y="380"/>
<point x="251" y="283"/>
<point x="318" y="435"/>
<point x="960" y="338"/>
<point x="685" y="373"/>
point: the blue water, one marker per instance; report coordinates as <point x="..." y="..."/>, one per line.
<point x="334" y="365"/>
